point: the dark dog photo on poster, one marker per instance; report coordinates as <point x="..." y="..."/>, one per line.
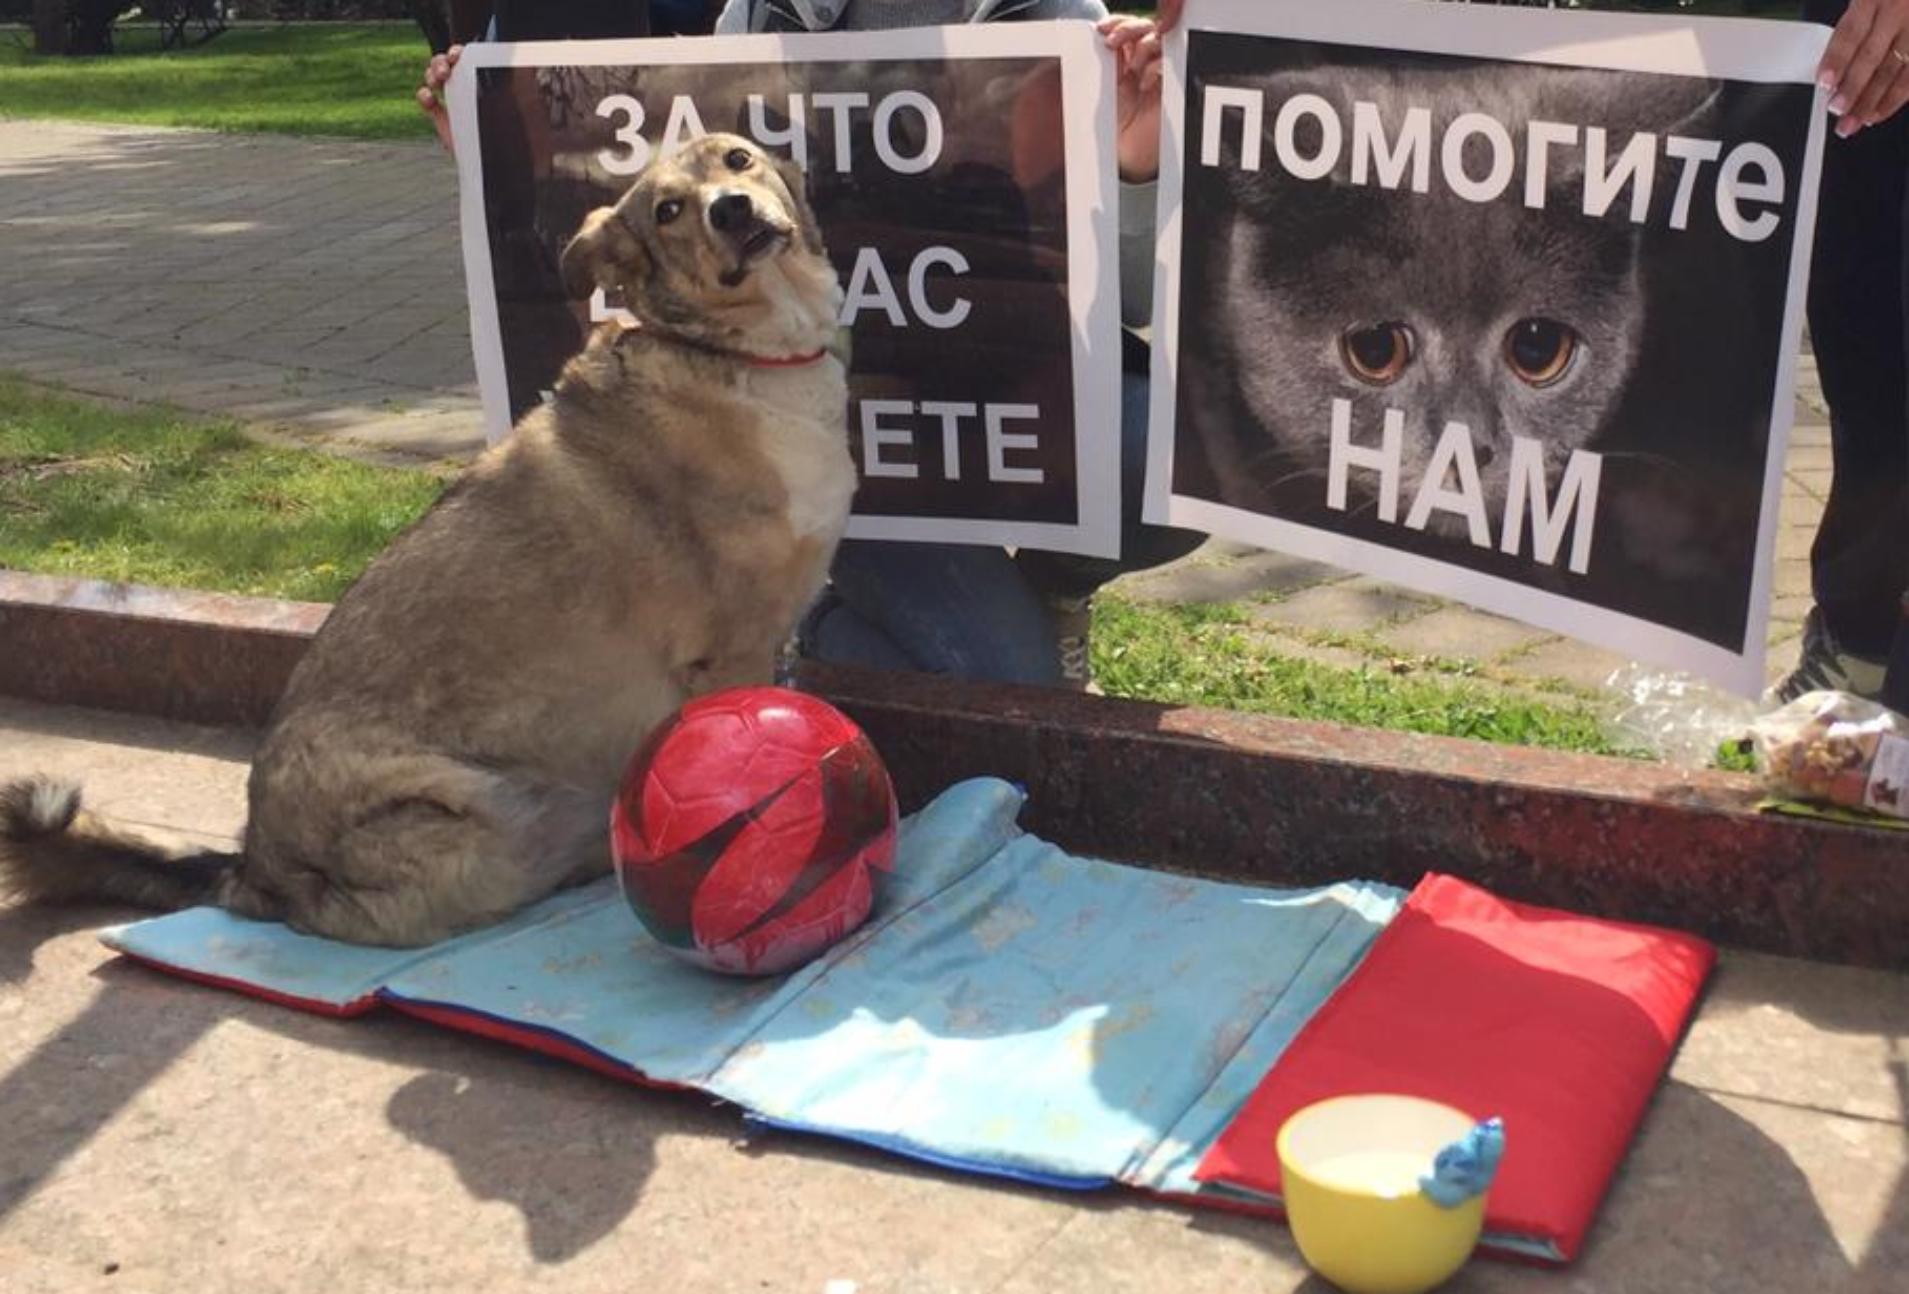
<point x="1520" y="325"/>
<point x="948" y="184"/>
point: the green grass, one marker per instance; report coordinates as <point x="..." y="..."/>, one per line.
<point x="347" y="79"/>
<point x="153" y="497"/>
<point x="312" y="79"/>
<point x="1201" y="655"/>
<point x="149" y="496"/>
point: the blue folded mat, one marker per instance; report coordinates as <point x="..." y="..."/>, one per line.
<point x="1009" y="1008"/>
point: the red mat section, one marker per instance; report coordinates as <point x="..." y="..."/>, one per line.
<point x="1561" y="1024"/>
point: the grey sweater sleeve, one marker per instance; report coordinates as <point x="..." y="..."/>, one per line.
<point x="734" y="18"/>
<point x="1137" y="252"/>
<point x="1091" y="10"/>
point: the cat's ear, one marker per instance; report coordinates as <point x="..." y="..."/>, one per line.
<point x="1247" y="187"/>
<point x="1695" y="107"/>
<point x="1662" y="105"/>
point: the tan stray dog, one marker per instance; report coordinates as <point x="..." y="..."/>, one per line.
<point x="448" y="749"/>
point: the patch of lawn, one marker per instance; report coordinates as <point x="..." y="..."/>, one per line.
<point x="349" y="79"/>
<point x="1200" y="655"/>
<point x="1736" y="756"/>
<point x="154" y="497"/>
<point x="300" y="79"/>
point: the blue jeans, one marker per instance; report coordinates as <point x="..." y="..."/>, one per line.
<point x="976" y="612"/>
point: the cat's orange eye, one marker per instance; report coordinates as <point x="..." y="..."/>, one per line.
<point x="1540" y="350"/>
<point x="1377" y="353"/>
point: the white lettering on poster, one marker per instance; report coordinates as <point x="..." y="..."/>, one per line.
<point x="905" y="129"/>
<point x="872" y="287"/>
<point x="1574" y="506"/>
<point x="893" y="448"/>
<point x="1478" y="156"/>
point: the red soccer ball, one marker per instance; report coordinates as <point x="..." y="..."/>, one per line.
<point x="748" y="828"/>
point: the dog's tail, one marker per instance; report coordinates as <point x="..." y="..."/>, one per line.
<point x="50" y="852"/>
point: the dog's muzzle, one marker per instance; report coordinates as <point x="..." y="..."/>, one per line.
<point x="734" y="217"/>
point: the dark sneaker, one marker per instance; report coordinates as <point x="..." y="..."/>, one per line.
<point x="1823" y="666"/>
<point x="1073" y="620"/>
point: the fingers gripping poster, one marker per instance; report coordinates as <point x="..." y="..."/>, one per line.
<point x="964" y="184"/>
<point x="1499" y="303"/>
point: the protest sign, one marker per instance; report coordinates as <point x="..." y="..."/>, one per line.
<point x="1500" y="303"/>
<point x="964" y="181"/>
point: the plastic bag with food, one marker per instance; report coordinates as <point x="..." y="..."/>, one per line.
<point x="1677" y="717"/>
<point x="1834" y="748"/>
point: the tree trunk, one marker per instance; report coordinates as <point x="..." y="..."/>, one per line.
<point x="92" y="26"/>
<point x="468" y="19"/>
<point x="434" y="20"/>
<point x="49" y="26"/>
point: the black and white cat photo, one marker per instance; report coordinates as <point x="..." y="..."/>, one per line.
<point x="1337" y="279"/>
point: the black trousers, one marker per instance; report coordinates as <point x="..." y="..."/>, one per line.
<point x="1859" y="286"/>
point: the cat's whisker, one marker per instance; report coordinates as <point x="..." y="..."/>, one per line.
<point x="1272" y="453"/>
<point x="1660" y="461"/>
<point x="1301" y="475"/>
<point x="1370" y="505"/>
<point x="1639" y="455"/>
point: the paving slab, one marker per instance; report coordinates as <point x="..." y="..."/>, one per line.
<point x="162" y="1136"/>
<point x="1794" y="537"/>
<point x="1219" y="572"/>
<point x="1821" y="1041"/>
<point x="1347" y="606"/>
<point x="1814" y="480"/>
<point x="250" y="256"/>
<point x="1459" y="633"/>
<point x="1570" y="661"/>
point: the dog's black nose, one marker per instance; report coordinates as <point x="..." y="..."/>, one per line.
<point x="731" y="213"/>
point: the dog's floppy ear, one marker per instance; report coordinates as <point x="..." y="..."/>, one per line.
<point x="606" y="253"/>
<point x="797" y="184"/>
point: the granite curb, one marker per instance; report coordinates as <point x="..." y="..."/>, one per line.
<point x="1206" y="791"/>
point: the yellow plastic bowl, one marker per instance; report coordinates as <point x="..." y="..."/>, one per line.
<point x="1351" y="1167"/>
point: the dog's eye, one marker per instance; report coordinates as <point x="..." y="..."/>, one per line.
<point x="1540" y="351"/>
<point x="1377" y="353"/>
<point x="738" y="159"/>
<point x="668" y="209"/>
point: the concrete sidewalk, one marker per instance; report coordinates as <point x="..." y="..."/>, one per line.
<point x="315" y="288"/>
<point x="173" y="1137"/>
<point x="311" y="286"/>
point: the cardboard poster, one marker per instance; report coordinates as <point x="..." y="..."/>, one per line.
<point x="1500" y="303"/>
<point x="965" y="185"/>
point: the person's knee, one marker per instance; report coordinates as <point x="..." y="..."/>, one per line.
<point x="844" y="636"/>
<point x="1000" y="660"/>
<point x="955" y="610"/>
<point x="1136" y="395"/>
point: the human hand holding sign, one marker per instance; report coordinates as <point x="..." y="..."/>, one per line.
<point x="1136" y="46"/>
<point x="437" y="73"/>
<point x="1866" y="67"/>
